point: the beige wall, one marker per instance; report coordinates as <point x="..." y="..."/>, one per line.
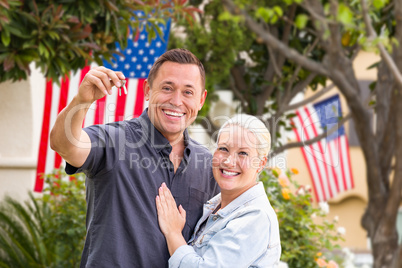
<point x="21" y="108"/>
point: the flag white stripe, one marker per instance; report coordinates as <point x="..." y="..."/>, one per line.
<point x="334" y="147"/>
<point x="329" y="165"/>
<point x="131" y="95"/>
<point x="315" y="149"/>
<point x="345" y="167"/>
<point x="90" y="116"/>
<point x="50" y="159"/>
<point x="110" y="106"/>
<point x="323" y="155"/>
<point x="313" y="169"/>
<point x="146" y="103"/>
<point x="332" y="170"/>
<point x="73" y="86"/>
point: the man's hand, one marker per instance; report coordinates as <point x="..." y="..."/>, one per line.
<point x="97" y="83"/>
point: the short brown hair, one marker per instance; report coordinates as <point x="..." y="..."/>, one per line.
<point x="178" y="55"/>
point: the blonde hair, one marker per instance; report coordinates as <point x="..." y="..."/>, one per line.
<point x="255" y="126"/>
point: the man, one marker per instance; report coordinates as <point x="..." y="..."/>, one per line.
<point x="126" y="162"/>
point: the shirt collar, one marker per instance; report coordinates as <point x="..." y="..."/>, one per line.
<point x="247" y="196"/>
<point x="157" y="140"/>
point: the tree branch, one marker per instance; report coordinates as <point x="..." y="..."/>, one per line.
<point x="276" y="44"/>
<point x="237" y="82"/>
<point x="287" y="29"/>
<point x="273" y="57"/>
<point x="208" y="125"/>
<point x="310" y="99"/>
<point x="394" y="198"/>
<point x="238" y="95"/>
<point x="311" y="141"/>
<point x="297" y="70"/>
<point x="384" y="53"/>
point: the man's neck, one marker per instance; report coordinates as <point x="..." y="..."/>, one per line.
<point x="176" y="155"/>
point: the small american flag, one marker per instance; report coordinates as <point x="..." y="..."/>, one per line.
<point x="136" y="63"/>
<point x="328" y="160"/>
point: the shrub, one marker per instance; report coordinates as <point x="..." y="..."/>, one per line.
<point x="48" y="231"/>
<point x="305" y="232"/>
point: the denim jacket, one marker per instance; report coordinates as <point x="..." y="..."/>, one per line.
<point x="245" y="233"/>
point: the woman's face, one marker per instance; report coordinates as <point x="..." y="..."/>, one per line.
<point x="236" y="162"/>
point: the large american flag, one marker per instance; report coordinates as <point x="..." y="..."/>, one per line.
<point x="136" y="63"/>
<point x="328" y="160"/>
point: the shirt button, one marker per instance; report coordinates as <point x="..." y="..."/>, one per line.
<point x="214" y="218"/>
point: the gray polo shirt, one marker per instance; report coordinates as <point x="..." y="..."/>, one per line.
<point x="127" y="163"/>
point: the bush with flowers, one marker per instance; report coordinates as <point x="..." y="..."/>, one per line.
<point x="306" y="234"/>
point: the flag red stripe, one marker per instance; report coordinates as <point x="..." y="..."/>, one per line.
<point x="44" y="138"/>
<point x="100" y="111"/>
<point x="315" y="159"/>
<point x="139" y="100"/>
<point x="338" y="142"/>
<point x="120" y="105"/>
<point x="325" y="165"/>
<point x="352" y="185"/>
<point x="62" y="103"/>
<point x="306" y="159"/>
<point x="333" y="168"/>
<point x="84" y="71"/>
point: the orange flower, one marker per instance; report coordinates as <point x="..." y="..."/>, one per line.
<point x="295" y="171"/>
<point x="283" y="180"/>
<point x="332" y="264"/>
<point x="285" y="193"/>
<point x="276" y="171"/>
<point x="321" y="262"/>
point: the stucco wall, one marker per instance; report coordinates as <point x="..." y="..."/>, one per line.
<point x="21" y="108"/>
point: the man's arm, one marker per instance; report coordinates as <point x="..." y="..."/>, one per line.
<point x="67" y="137"/>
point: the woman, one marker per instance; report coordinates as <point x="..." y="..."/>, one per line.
<point x="238" y="228"/>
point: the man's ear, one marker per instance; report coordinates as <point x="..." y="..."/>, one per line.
<point x="203" y="97"/>
<point x="147" y="89"/>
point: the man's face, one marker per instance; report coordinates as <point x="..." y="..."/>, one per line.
<point x="175" y="98"/>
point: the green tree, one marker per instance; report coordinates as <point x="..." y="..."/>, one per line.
<point x="60" y="36"/>
<point x="279" y="48"/>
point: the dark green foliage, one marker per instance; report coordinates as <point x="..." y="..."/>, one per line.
<point x="62" y="35"/>
<point x="45" y="232"/>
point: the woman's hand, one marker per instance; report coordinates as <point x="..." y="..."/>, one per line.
<point x="171" y="219"/>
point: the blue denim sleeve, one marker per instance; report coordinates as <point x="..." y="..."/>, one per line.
<point x="244" y="241"/>
<point x="179" y="254"/>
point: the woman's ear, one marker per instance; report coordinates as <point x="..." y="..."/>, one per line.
<point x="263" y="162"/>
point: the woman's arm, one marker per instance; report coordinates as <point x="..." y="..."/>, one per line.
<point x="171" y="220"/>
<point x="248" y="239"/>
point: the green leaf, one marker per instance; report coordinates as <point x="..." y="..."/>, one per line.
<point x="301" y="21"/>
<point x="265" y="13"/>
<point x="345" y="15"/>
<point x="378" y="4"/>
<point x="53" y="35"/>
<point x="5" y="37"/>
